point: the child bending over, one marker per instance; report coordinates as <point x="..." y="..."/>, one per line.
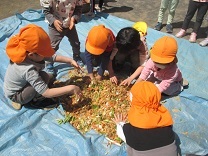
<point x="99" y="45"/>
<point x="162" y="68"/>
<point x="131" y="49"/>
<point x="25" y="82"/>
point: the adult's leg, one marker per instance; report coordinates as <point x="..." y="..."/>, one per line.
<point x="202" y="10"/>
<point x="172" y="8"/>
<point x="190" y="13"/>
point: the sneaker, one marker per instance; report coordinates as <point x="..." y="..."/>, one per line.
<point x="181" y="33"/>
<point x="46" y="104"/>
<point x="158" y="26"/>
<point x="78" y="60"/>
<point x="192" y="38"/>
<point x="16" y="105"/>
<point x="204" y="42"/>
<point x="169" y="28"/>
<point x="98" y="9"/>
<point x="184" y="83"/>
<point x="90" y="14"/>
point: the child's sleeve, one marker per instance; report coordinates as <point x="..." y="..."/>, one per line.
<point x="146" y="70"/>
<point x="119" y="131"/>
<point x="47" y="10"/>
<point x="78" y="10"/>
<point x="105" y="58"/>
<point x="88" y="59"/>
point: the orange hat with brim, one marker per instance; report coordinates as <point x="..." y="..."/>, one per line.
<point x="146" y="111"/>
<point x="31" y="38"/>
<point x="164" y="50"/>
<point x="98" y="40"/>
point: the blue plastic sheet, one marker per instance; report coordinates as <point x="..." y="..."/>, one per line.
<point x="36" y="132"/>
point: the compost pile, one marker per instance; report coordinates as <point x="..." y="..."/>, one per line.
<point x="95" y="110"/>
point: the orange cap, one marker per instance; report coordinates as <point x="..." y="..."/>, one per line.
<point x="146" y="110"/>
<point x="31" y="38"/>
<point x="98" y="40"/>
<point x="164" y="50"/>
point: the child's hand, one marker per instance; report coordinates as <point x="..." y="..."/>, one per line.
<point x="126" y="82"/>
<point x="74" y="64"/>
<point x="72" y="23"/>
<point x="98" y="77"/>
<point x="114" y="79"/>
<point x="119" y="118"/>
<point x="77" y="91"/>
<point x="58" y="25"/>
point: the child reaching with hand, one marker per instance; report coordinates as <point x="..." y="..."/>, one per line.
<point x="99" y="45"/>
<point x="162" y="69"/>
<point x="25" y="82"/>
<point x="131" y="48"/>
<point x="149" y="131"/>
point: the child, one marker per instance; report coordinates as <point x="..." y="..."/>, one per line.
<point x="162" y="68"/>
<point x="149" y="131"/>
<point x="62" y="15"/>
<point x="99" y="45"/>
<point x="131" y="48"/>
<point x="171" y="5"/>
<point x="25" y="82"/>
<point x="201" y="7"/>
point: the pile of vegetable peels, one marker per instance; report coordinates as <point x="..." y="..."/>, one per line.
<point x="95" y="110"/>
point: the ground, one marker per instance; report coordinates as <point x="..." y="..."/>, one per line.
<point x="133" y="10"/>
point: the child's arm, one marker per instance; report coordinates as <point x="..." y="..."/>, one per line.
<point x="56" y="92"/>
<point x="133" y="76"/>
<point x="64" y="59"/>
<point x="88" y="59"/>
<point x="113" y="78"/>
<point x="120" y="120"/>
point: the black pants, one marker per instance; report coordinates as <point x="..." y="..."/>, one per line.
<point x="28" y="93"/>
<point x="201" y="8"/>
<point x="92" y="5"/>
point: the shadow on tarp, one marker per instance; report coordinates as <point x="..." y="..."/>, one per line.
<point x="36" y="132"/>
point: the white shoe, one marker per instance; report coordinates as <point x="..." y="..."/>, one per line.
<point x="16" y="105"/>
<point x="204" y="42"/>
<point x="98" y="9"/>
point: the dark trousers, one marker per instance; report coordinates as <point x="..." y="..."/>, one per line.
<point x="28" y="93"/>
<point x="72" y="36"/>
<point x="201" y="8"/>
<point x="92" y="5"/>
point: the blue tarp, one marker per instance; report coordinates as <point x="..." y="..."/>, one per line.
<point x="36" y="132"/>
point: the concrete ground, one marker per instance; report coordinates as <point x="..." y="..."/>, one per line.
<point x="133" y="10"/>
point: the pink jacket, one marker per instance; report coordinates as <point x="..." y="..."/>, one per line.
<point x="167" y="76"/>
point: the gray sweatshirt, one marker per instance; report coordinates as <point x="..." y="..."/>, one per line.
<point x="18" y="75"/>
